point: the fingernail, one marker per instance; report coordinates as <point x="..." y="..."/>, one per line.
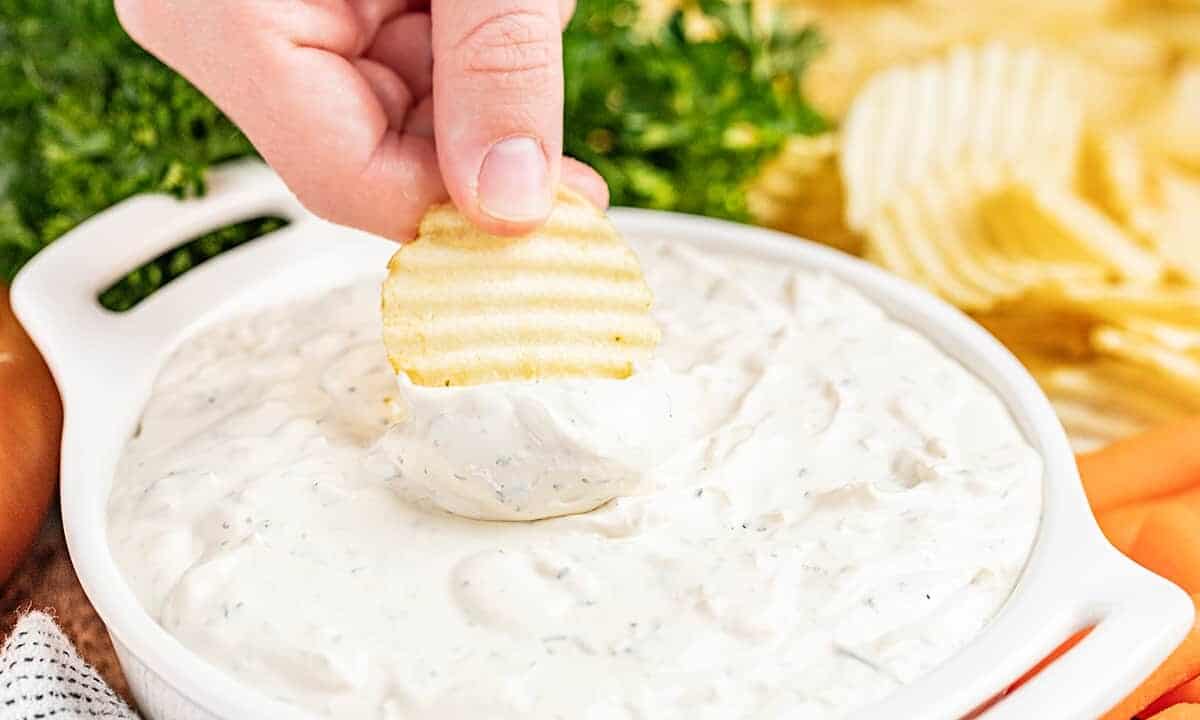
<point x="514" y="183"/>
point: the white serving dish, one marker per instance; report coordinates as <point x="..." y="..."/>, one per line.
<point x="105" y="364"/>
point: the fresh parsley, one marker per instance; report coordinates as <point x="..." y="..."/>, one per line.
<point x="682" y="123"/>
<point x="674" y="122"/>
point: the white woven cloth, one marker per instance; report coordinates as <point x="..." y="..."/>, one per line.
<point x="43" y="678"/>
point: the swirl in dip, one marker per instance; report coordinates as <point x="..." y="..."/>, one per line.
<point x="837" y="508"/>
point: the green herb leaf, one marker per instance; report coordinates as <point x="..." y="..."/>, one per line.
<point x="680" y="123"/>
<point x="87" y="118"/>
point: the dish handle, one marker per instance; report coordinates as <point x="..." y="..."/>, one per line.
<point x="56" y="294"/>
<point x="1136" y="620"/>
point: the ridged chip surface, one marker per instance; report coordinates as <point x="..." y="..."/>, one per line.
<point x="462" y="307"/>
<point x="993" y="105"/>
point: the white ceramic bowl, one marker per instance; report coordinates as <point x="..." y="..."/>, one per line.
<point x="105" y="364"/>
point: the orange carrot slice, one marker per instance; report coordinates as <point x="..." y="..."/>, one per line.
<point x="1181" y="666"/>
<point x="1156" y="463"/>
<point x="1169" y="544"/>
<point x="1190" y="498"/>
<point x="1123" y="525"/>
<point x="1189" y="692"/>
<point x="1182" y="711"/>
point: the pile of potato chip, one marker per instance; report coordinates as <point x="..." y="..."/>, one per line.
<point x="1035" y="163"/>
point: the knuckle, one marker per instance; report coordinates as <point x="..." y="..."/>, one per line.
<point x="513" y="44"/>
<point x="330" y="24"/>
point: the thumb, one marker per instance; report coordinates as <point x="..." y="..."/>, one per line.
<point x="498" y="105"/>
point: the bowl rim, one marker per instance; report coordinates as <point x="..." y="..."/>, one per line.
<point x="1072" y="579"/>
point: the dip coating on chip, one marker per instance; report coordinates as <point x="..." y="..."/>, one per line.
<point x="529" y="450"/>
<point x="516" y="361"/>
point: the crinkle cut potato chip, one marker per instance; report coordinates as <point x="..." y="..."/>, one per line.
<point x="1011" y="108"/>
<point x="1173" y="126"/>
<point x="1114" y="175"/>
<point x="959" y="155"/>
<point x="1157" y="202"/>
<point x="1100" y="394"/>
<point x="911" y="234"/>
<point x="800" y="192"/>
<point x="462" y="307"/>
<point x="1174" y="228"/>
<point x="1106" y="382"/>
<point x="1120" y="71"/>
<point x="1182" y="370"/>
<point x="936" y="232"/>
<point x="1068" y="229"/>
<point x="1176" y="338"/>
<point x="1174" y="305"/>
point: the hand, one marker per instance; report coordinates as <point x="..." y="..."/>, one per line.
<point x="372" y="110"/>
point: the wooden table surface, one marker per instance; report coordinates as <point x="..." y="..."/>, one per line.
<point x="46" y="581"/>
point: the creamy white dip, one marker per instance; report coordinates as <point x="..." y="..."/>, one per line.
<point x="533" y="450"/>
<point x="847" y="508"/>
